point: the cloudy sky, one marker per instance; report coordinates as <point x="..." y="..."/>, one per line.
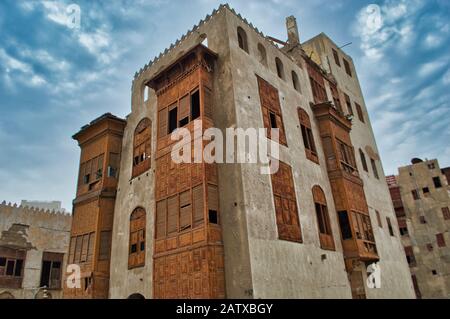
<point x="54" y="78"/>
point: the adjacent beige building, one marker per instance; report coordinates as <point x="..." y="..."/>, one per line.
<point x="420" y="194"/>
<point x="33" y="248"/>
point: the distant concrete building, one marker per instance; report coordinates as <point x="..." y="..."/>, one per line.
<point x="50" y="205"/>
<point x="33" y="249"/>
<point x="420" y="194"/>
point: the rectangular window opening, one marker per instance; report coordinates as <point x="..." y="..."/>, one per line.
<point x="173" y="120"/>
<point x="213" y="217"/>
<point x="195" y="105"/>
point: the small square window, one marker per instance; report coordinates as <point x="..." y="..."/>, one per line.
<point x="437" y="182"/>
<point x="133" y="248"/>
<point x="434" y="272"/>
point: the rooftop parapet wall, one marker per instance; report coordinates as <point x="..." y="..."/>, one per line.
<point x="35" y="216"/>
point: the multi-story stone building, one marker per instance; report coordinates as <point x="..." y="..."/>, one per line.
<point x="201" y="230"/>
<point x="420" y="194"/>
<point x="33" y="248"/>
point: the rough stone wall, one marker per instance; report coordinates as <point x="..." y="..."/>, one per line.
<point x="395" y="277"/>
<point x="36" y="231"/>
<point x="417" y="177"/>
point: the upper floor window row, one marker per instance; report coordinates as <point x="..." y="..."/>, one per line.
<point x="262" y="58"/>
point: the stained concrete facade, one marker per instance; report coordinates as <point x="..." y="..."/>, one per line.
<point x="423" y="218"/>
<point x="35" y="232"/>
<point x="257" y="263"/>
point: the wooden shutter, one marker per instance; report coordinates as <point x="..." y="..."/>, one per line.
<point x="161" y="212"/>
<point x="105" y="245"/>
<point x="208" y="103"/>
<point x="71" y="250"/>
<point x="84" y="249"/>
<point x="197" y="195"/>
<point x="184" y="108"/>
<point x="91" y="247"/>
<point x="172" y="215"/>
<point x="78" y="246"/>
<point x="162" y="122"/>
<point x="440" y="240"/>
<point x="185" y="210"/>
<point x="213" y="198"/>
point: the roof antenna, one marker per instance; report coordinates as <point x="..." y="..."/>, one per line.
<point x="345" y="45"/>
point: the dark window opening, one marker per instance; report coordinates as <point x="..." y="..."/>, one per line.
<point x="336" y="58"/>
<point x="403" y="231"/>
<point x="437" y="182"/>
<point x="391" y="230"/>
<point x="415" y="194"/>
<point x="172" y="120"/>
<point x="184" y="121"/>
<point x="86" y="178"/>
<point x="133" y="248"/>
<point x="344" y="222"/>
<point x="295" y="82"/>
<point x="374" y="168"/>
<point x="347" y="67"/>
<point x="434" y="272"/>
<point x="273" y="120"/>
<point x="10" y="268"/>
<point x="195" y="105"/>
<point x="280" y="68"/>
<point x="213" y="217"/>
<point x="426" y="190"/>
<point x="363" y="160"/>
<point x="142" y="245"/>
<point x="18" y="269"/>
<point x="422" y="220"/>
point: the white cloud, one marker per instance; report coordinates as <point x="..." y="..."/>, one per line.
<point x="433" y="41"/>
<point x="19" y="71"/>
<point x="446" y="78"/>
<point x="431" y="67"/>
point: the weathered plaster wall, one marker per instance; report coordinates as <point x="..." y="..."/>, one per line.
<point x="417" y="177"/>
<point x="36" y="231"/>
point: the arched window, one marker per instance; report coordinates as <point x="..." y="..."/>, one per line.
<point x="262" y="54"/>
<point x="363" y="160"/>
<point x="142" y="147"/>
<point x="242" y="39"/>
<point x="146" y="93"/>
<point x="296" y="82"/>
<point x="308" y="138"/>
<point x="323" y="220"/>
<point x="136" y="253"/>
<point x="280" y="68"/>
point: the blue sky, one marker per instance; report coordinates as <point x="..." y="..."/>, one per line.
<point x="54" y="79"/>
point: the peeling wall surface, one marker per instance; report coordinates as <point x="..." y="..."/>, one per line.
<point x="34" y="231"/>
<point x="257" y="263"/>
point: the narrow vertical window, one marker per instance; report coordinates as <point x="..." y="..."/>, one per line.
<point x="349" y="104"/>
<point x="173" y="117"/>
<point x="141" y="148"/>
<point x="280" y="68"/>
<point x="336" y="58"/>
<point x="323" y="219"/>
<point x="136" y="256"/>
<point x="374" y="168"/>
<point x="51" y="271"/>
<point x="437" y="182"/>
<point x="347" y="67"/>
<point x="391" y="230"/>
<point x="242" y="39"/>
<point x="440" y="240"/>
<point x="360" y="112"/>
<point x="379" y="219"/>
<point x="307" y="135"/>
<point x="296" y="82"/>
<point x="363" y="160"/>
<point x="262" y="54"/>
